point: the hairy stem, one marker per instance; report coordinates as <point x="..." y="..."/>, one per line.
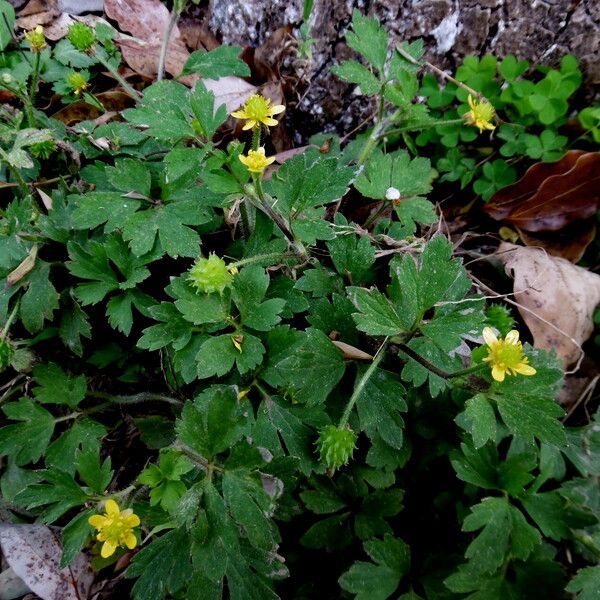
<point x="361" y="384"/>
<point x="162" y="59"/>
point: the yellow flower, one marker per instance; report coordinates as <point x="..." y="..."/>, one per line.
<point x="36" y="38"/>
<point x="257" y="110"/>
<point x="115" y="528"/>
<point x="506" y="355"/>
<point x="77" y="82"/>
<point x="256" y="161"/>
<point x="480" y="115"/>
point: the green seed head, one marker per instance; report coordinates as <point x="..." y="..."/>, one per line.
<point x="336" y="445"/>
<point x="82" y="36"/>
<point x="209" y="275"/>
<point x="42" y="149"/>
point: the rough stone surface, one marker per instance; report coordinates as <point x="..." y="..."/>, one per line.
<point x="540" y="31"/>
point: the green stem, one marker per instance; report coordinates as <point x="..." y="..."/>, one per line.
<point x="135" y="398"/>
<point x="587" y="541"/>
<point x="15" y="172"/>
<point x="34" y="81"/>
<point x="162" y="59"/>
<point x="9" y="322"/>
<point x="424" y="362"/>
<point x="469" y="370"/>
<point x="256" y="138"/>
<point x="361" y="384"/>
<point x="206" y="464"/>
<point x="115" y="73"/>
<point x="260" y="258"/>
<point x="262" y="203"/>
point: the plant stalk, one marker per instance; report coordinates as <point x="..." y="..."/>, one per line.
<point x="361" y="384"/>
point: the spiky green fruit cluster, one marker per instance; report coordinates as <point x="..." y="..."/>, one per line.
<point x="210" y="275"/>
<point x="499" y="317"/>
<point x="336" y="445"/>
<point x="82" y="36"/>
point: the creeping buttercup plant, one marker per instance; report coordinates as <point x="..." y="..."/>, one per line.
<point x="212" y="372"/>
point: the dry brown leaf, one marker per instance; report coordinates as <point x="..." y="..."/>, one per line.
<point x="197" y="35"/>
<point x="147" y="21"/>
<point x="230" y="91"/>
<point x="33" y="552"/>
<point x="23" y="268"/>
<point x="550" y="196"/>
<point x="569" y="243"/>
<point x="351" y="352"/>
<point x="556" y="298"/>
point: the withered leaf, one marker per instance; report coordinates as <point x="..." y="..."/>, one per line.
<point x="556" y="298"/>
<point x="551" y="195"/>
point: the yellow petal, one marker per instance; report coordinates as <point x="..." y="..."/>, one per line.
<point x="130" y="540"/>
<point x="132" y="521"/>
<point x="512" y="337"/>
<point x="111" y="507"/>
<point x="498" y="373"/>
<point x="524" y="369"/>
<point x="269" y="160"/>
<point x="471" y="102"/>
<point x="249" y="125"/>
<point x="97" y="521"/>
<point x="276" y="109"/>
<point x="239" y="114"/>
<point x="108" y="549"/>
<point x="244" y="159"/>
<point x="489" y="336"/>
<point x="270" y="122"/>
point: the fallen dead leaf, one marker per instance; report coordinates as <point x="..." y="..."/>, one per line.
<point x="351" y="352"/>
<point x="147" y="21"/>
<point x="556" y="298"/>
<point x="231" y="91"/>
<point x="569" y="243"/>
<point x="196" y="35"/>
<point x="33" y="552"/>
<point x="550" y="196"/>
<point x="23" y="268"/>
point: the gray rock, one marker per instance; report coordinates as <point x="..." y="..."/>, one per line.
<point x="540" y="31"/>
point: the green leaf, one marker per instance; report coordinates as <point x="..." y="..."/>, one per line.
<point x="95" y="208"/>
<point x="56" y="387"/>
<point x="249" y="289"/>
<point x="214" y="422"/>
<point x="309" y="180"/>
<point x="319" y="281"/>
<point x="286" y="430"/>
<point x="586" y="584"/>
<point x="162" y="567"/>
<point x="74" y="536"/>
<point x="412" y="212"/>
<point x="59" y="495"/>
<point x="27" y="440"/>
<point x="369" y="39"/>
<point x="95" y="474"/>
<point x="169" y="223"/>
<point x="74" y="325"/>
<point x="380" y="579"/>
<point x="411" y="177"/>
<point x="352" y="255"/>
<point x="218" y="354"/>
<point x="129" y="175"/>
<point x="220" y="62"/>
<point x="353" y="72"/>
<point x="172" y="330"/>
<point x="249" y="504"/>
<point x="40" y="300"/>
<point x="529" y="416"/>
<point x="202" y="102"/>
<point x="377" y="316"/>
<point x="7" y="23"/>
<point x="379" y="407"/>
<point x="307" y="365"/>
<point x="481" y="420"/>
<point x="84" y="434"/>
<point x="163" y="112"/>
<point x="504" y="530"/>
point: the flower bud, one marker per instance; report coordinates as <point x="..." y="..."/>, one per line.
<point x="336" y="445"/>
<point x="392" y="193"/>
